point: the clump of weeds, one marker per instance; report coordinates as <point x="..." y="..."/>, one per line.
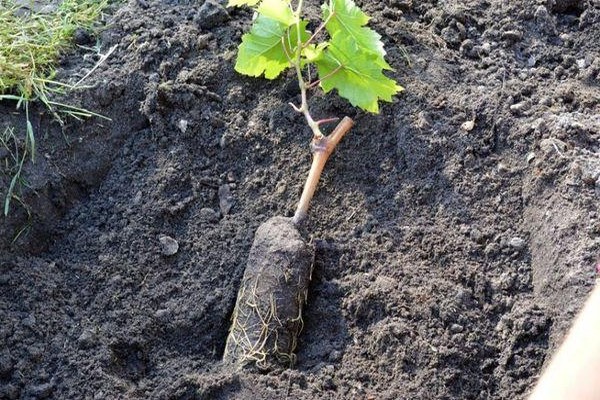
<point x="31" y="42"/>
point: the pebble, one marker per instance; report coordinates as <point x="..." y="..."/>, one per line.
<point x="519" y="108"/>
<point x="512" y="36"/>
<point x="486" y="48"/>
<point x="168" y="245"/>
<point x="87" y="339"/>
<point x="281" y="188"/>
<point x="225" y="199"/>
<point x="211" y="14"/>
<point x="503" y="167"/>
<point x="468" y="126"/>
<point x="456" y="328"/>
<point x="183" y="125"/>
<point x="517" y="243"/>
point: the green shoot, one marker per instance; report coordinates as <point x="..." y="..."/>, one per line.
<point x="351" y="61"/>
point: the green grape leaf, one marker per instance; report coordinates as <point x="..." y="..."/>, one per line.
<point x="279" y="10"/>
<point x="267" y="47"/>
<point x="234" y="3"/>
<point x="346" y="17"/>
<point x="312" y="53"/>
<point x="355" y="73"/>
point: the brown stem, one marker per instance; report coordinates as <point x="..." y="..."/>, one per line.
<point x="322" y="149"/>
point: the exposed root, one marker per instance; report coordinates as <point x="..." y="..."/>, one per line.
<point x="257" y="332"/>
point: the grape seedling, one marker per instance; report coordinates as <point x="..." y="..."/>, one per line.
<point x="268" y="313"/>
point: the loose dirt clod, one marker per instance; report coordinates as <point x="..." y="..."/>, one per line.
<point x="268" y="313"/>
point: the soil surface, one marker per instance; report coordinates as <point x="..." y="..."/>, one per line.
<point x="455" y="234"/>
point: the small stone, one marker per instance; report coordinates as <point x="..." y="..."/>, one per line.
<point x="512" y="36"/>
<point x="503" y="167"/>
<point x="280" y="188"/>
<point x="530" y="157"/>
<point x="183" y="125"/>
<point x="225" y="199"/>
<point x="211" y="14"/>
<point x="517" y="243"/>
<point x="456" y="328"/>
<point x="168" y="245"/>
<point x="468" y="126"/>
<point x="519" y="108"/>
<point x="486" y="48"/>
<point x="87" y="339"/>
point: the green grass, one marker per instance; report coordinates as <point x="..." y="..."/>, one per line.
<point x="30" y="46"/>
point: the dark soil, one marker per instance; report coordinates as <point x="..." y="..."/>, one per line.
<point x="455" y="234"/>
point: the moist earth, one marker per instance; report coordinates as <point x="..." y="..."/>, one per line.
<point x="456" y="234"/>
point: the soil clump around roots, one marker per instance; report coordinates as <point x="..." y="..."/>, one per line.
<point x="455" y="234"/>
